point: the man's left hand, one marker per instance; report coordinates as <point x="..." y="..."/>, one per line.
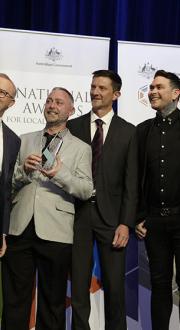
<point x="54" y="170"/>
<point x="121" y="236"/>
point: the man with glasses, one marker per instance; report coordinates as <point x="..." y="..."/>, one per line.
<point x="9" y="147"/>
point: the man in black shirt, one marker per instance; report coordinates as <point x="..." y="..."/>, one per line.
<point x="159" y="210"/>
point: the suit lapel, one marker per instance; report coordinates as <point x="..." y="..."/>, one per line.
<point x="110" y="133"/>
<point x="7" y="145"/>
<point x="86" y="128"/>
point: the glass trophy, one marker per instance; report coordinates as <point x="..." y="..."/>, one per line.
<point x="49" y="154"/>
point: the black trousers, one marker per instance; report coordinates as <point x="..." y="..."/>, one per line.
<point x="26" y="254"/>
<point x="163" y="246"/>
<point x="88" y="227"/>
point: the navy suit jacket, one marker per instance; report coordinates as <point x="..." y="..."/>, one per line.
<point x="11" y="145"/>
<point x="116" y="179"/>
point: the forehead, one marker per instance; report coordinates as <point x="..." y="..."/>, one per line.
<point x="5" y="84"/>
<point x="102" y="81"/>
<point x="58" y="94"/>
<point x="161" y="81"/>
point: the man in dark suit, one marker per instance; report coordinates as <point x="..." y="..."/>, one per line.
<point x="9" y="147"/>
<point x="110" y="212"/>
<point x="159" y="211"/>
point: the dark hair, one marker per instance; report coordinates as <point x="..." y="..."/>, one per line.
<point x="66" y="91"/>
<point x="174" y="79"/>
<point x="115" y="78"/>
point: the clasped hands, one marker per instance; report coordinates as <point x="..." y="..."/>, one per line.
<point x="33" y="163"/>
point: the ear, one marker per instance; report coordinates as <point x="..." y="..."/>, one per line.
<point x="116" y="95"/>
<point x="11" y="103"/>
<point x="176" y="94"/>
<point x="72" y="112"/>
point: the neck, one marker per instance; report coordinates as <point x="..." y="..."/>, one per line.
<point x="101" y="112"/>
<point x="55" y="129"/>
<point x="168" y="109"/>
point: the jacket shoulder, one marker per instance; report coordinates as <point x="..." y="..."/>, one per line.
<point x="30" y="135"/>
<point x="124" y="123"/>
<point x="14" y="136"/>
<point x="145" y="124"/>
<point x="121" y="125"/>
<point x="79" y="142"/>
<point x="78" y="120"/>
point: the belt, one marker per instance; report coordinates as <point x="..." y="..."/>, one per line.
<point x="164" y="211"/>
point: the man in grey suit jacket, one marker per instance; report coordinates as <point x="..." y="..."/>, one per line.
<point x="41" y="226"/>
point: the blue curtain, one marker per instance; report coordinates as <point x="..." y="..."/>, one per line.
<point x="132" y="20"/>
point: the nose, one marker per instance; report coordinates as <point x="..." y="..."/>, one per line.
<point x="95" y="91"/>
<point x="52" y="104"/>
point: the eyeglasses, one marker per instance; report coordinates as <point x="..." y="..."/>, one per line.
<point x="3" y="94"/>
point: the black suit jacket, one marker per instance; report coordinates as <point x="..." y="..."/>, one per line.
<point x="116" y="179"/>
<point x="11" y="145"/>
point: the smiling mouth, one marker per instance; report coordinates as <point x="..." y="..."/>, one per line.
<point x="155" y="98"/>
<point x="50" y="112"/>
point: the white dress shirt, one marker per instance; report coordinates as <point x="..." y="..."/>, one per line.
<point x="106" y="123"/>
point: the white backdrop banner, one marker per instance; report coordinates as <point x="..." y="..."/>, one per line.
<point x="137" y="64"/>
<point x="37" y="62"/>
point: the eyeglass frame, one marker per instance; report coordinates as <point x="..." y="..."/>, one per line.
<point x="5" y="94"/>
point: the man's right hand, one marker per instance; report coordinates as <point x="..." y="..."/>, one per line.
<point x="31" y="163"/>
<point x="141" y="230"/>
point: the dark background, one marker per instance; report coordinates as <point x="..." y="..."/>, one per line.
<point x="155" y="21"/>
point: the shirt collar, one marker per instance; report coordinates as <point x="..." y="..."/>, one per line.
<point x="106" y="119"/>
<point x="60" y="134"/>
<point x="170" y="119"/>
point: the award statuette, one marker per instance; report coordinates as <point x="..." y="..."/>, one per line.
<point x="49" y="154"/>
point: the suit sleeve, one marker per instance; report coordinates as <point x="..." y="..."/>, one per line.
<point x="130" y="195"/>
<point x="79" y="182"/>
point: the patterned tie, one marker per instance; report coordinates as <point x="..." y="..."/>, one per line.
<point x="97" y="144"/>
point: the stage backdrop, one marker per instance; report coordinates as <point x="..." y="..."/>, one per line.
<point x="137" y="64"/>
<point x="37" y="62"/>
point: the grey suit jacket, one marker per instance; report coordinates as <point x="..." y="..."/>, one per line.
<point x="51" y="201"/>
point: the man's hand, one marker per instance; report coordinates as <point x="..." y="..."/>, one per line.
<point x="31" y="163"/>
<point x="141" y="230"/>
<point x="121" y="236"/>
<point x="3" y="247"/>
<point x="54" y="170"/>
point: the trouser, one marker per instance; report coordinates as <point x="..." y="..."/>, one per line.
<point x="26" y="254"/>
<point x="89" y="226"/>
<point x="163" y="247"/>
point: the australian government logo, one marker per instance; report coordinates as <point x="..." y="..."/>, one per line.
<point x="53" y="54"/>
<point x="53" y="57"/>
<point x="146" y="71"/>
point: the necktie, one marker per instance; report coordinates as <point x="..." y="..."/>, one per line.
<point x="97" y="144"/>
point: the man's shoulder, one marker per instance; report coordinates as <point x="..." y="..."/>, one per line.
<point x="14" y="136"/>
<point x="120" y="122"/>
<point x="78" y="120"/>
<point x="80" y="143"/>
<point x="30" y="134"/>
<point x="145" y="124"/>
